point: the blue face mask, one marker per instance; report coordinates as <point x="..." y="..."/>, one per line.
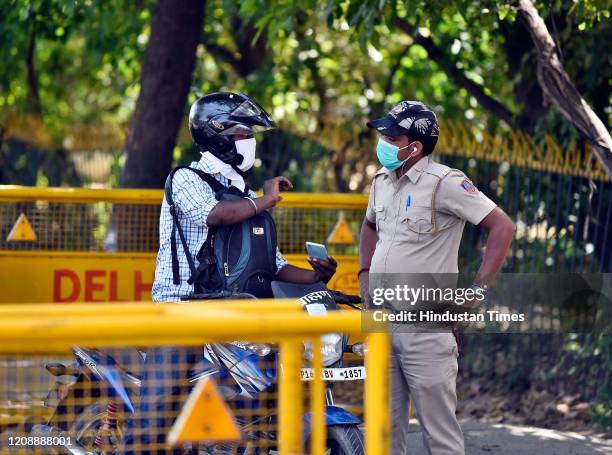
<point x="387" y="154"/>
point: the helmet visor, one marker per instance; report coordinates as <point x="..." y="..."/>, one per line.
<point x="248" y="130"/>
<point x="247" y="109"/>
<point x="250" y="118"/>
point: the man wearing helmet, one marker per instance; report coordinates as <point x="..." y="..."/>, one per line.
<point x="223" y="125"/>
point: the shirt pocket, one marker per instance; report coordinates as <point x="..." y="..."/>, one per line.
<point x="380" y="213"/>
<point x="417" y="222"/>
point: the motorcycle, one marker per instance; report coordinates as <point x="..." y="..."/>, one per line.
<point x="344" y="435"/>
<point x="97" y="394"/>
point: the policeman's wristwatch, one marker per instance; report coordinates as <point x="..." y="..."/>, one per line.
<point x="480" y="289"/>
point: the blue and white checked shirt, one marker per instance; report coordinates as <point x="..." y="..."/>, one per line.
<point x="194" y="200"/>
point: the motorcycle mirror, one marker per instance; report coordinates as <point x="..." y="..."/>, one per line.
<point x="359" y="349"/>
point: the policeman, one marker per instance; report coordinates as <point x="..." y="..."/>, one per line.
<point x="414" y="222"/>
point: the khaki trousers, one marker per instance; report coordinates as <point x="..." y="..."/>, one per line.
<point x="424" y="367"/>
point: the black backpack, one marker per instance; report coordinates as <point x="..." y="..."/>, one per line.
<point x="234" y="259"/>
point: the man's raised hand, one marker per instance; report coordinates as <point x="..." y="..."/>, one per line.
<point x="272" y="188"/>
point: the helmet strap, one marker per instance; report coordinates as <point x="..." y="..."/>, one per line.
<point x="221" y="155"/>
<point x="236" y="160"/>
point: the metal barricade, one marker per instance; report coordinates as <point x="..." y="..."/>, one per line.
<point x="98" y="392"/>
<point x="106" y="220"/>
<point x="99" y="245"/>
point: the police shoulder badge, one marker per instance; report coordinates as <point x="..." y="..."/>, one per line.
<point x="468" y="186"/>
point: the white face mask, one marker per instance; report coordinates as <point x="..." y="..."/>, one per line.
<point x="246" y="148"/>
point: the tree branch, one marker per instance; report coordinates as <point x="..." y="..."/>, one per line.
<point x="518" y="48"/>
<point x="224" y="54"/>
<point x="377" y="108"/>
<point x="251" y="54"/>
<point x="31" y="70"/>
<point x="559" y="88"/>
<point x="394" y="69"/>
<point x="459" y="78"/>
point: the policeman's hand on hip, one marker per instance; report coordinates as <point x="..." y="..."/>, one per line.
<point x="467" y="306"/>
<point x="364" y="288"/>
<point x="471" y="304"/>
<point x="272" y="188"/>
<point x="325" y="269"/>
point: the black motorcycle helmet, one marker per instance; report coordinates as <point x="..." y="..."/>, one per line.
<point x="214" y="118"/>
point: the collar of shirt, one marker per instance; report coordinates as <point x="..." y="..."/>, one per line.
<point x="414" y="173"/>
<point x="219" y="167"/>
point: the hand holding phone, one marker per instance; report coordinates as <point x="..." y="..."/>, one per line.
<point x="317" y="251"/>
<point x="323" y="264"/>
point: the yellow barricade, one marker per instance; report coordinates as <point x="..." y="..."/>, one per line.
<point x="99" y="244"/>
<point x="38" y="336"/>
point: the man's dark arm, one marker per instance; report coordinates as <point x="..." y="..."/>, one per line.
<point x="367" y="245"/>
<point x="501" y="231"/>
<point x="321" y="271"/>
<point x="232" y="212"/>
<point x="292" y="274"/>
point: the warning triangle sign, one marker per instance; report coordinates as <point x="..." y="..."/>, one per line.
<point x="341" y="234"/>
<point x="22" y="231"/>
<point x="204" y="417"/>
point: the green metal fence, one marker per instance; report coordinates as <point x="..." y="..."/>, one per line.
<point x="563" y="225"/>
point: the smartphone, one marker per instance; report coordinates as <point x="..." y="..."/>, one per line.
<point x="317" y="251"/>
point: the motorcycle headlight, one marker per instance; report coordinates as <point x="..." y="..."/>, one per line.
<point x="331" y="349"/>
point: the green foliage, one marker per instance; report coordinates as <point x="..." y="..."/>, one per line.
<point x="389" y="67"/>
<point x="589" y="12"/>
<point x="321" y="68"/>
<point x="86" y="58"/>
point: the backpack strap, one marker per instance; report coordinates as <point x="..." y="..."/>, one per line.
<point x="215" y="186"/>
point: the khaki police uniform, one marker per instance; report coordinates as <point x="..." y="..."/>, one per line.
<point x="419" y="220"/>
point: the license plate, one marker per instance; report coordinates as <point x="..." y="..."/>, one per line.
<point x="336" y="374"/>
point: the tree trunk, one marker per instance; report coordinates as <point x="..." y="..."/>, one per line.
<point x="164" y="84"/>
<point x="559" y="88"/>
